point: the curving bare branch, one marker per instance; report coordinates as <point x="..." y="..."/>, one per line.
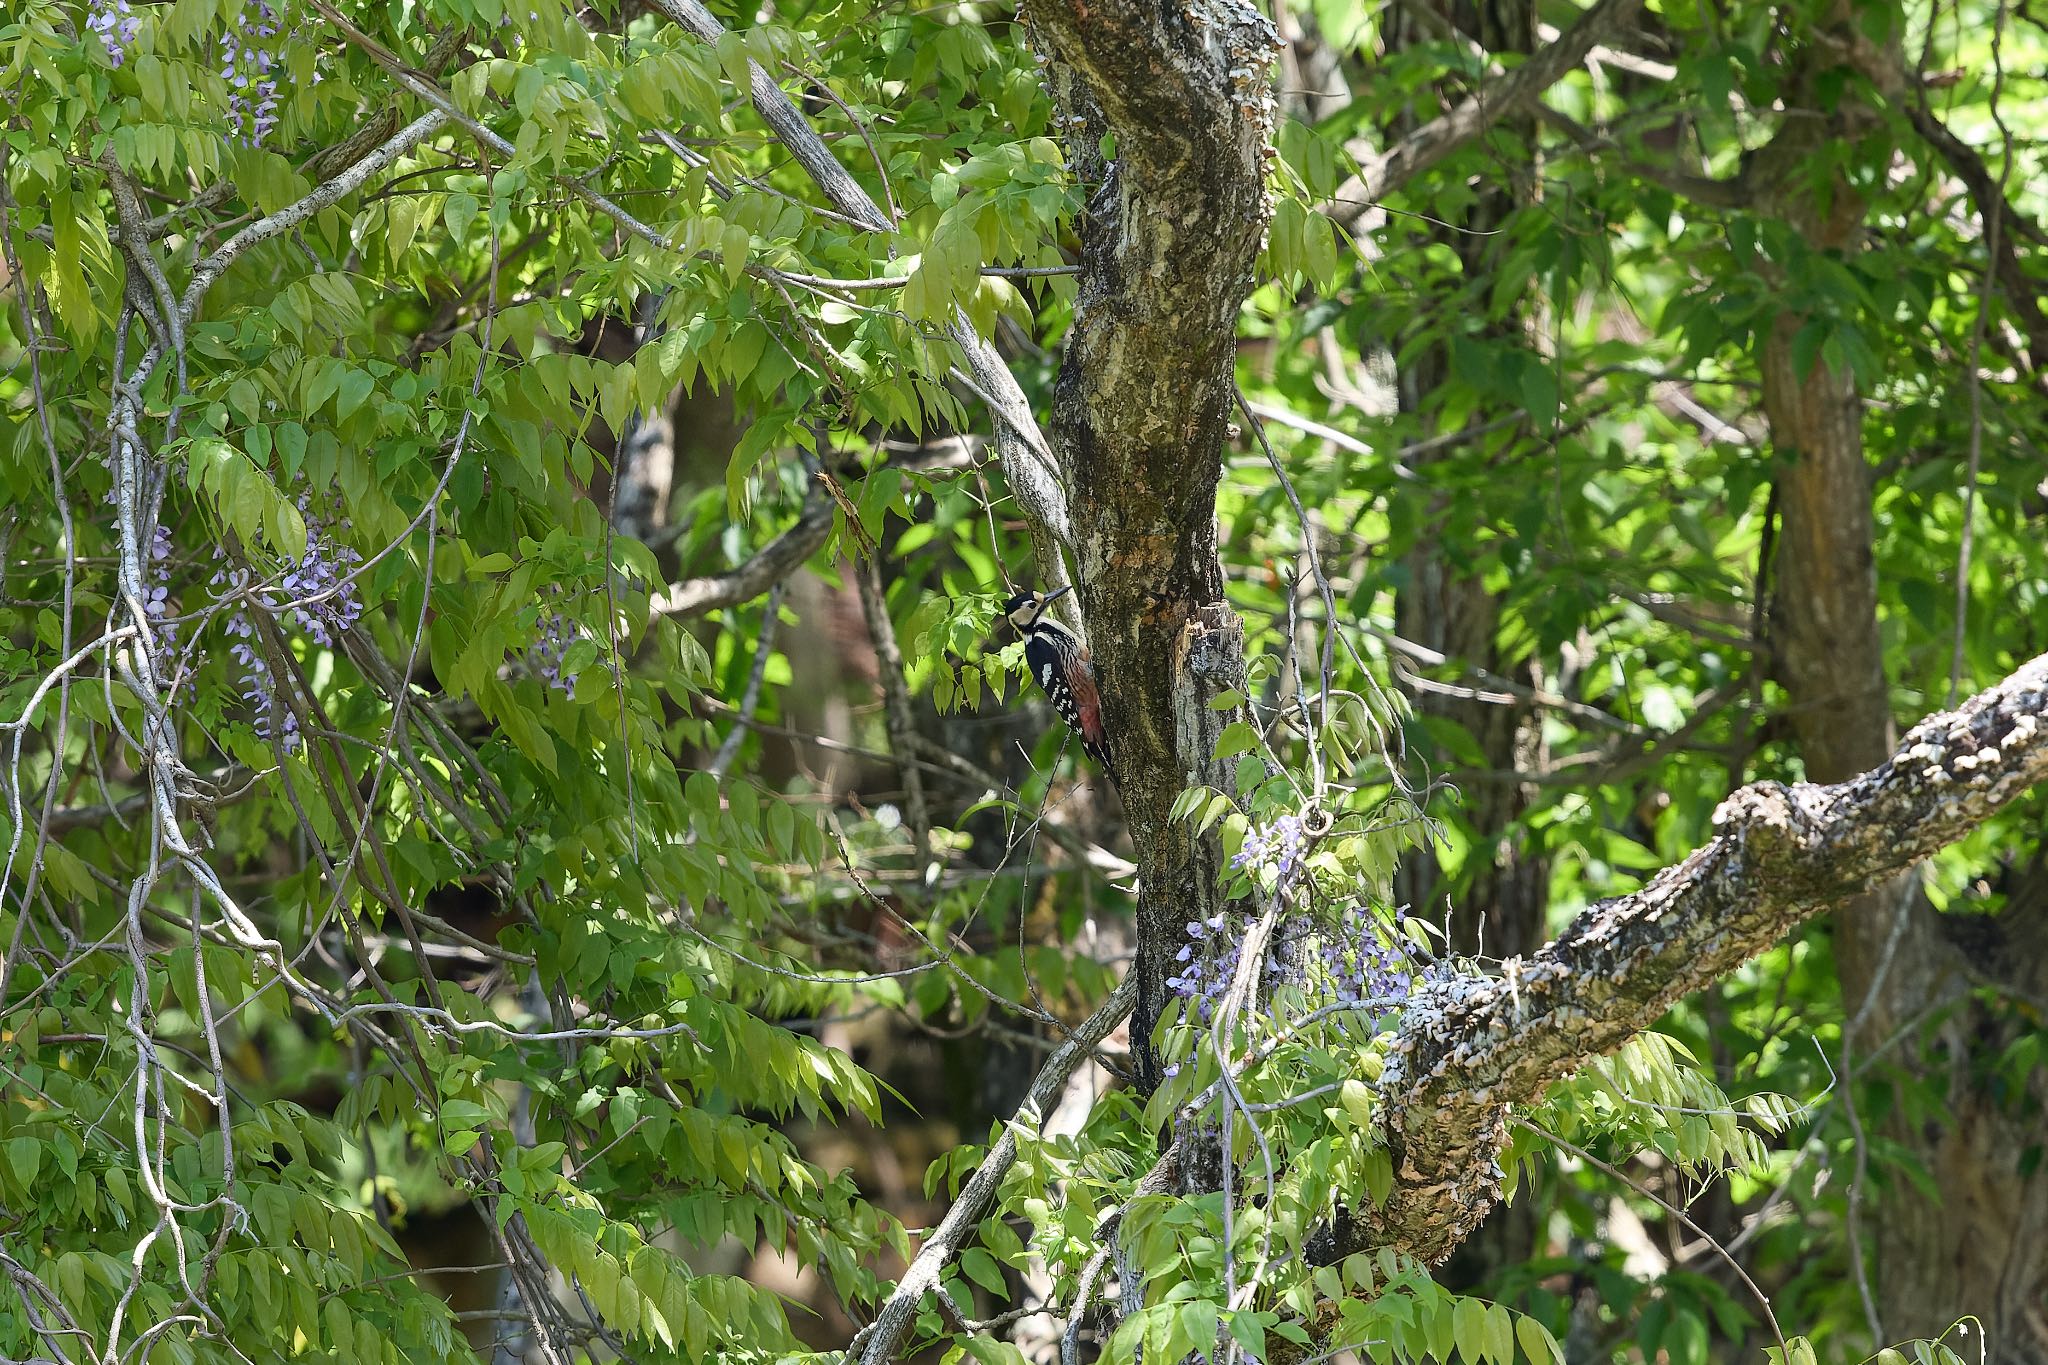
<point x="1382" y="172"/>
<point x="880" y="1342"/>
<point x="777" y="560"/>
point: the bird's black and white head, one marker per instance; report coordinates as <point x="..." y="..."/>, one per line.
<point x="1027" y="609"/>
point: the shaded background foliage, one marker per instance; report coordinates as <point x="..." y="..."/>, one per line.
<point x="596" y="878"/>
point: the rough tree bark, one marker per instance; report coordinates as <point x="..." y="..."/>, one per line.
<point x="1143" y="402"/>
<point x="1981" y="1245"/>
<point x="1469" y="1047"/>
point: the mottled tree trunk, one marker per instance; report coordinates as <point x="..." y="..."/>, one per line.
<point x="1979" y="1246"/>
<point x="1142" y="406"/>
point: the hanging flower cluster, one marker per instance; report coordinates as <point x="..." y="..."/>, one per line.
<point x="1209" y="958"/>
<point x="251" y="56"/>
<point x="319" y="591"/>
<point x="1208" y="961"/>
<point x="114" y="23"/>
<point x="316" y="594"/>
<point x="1356" y="962"/>
<point x="1279" y="843"/>
<point x="557" y="633"/>
<point x="274" y="721"/>
<point x="1361" y="965"/>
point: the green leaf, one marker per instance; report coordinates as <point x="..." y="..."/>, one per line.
<point x="985" y="1271"/>
<point x="733" y="249"/>
<point x="1468" y="1329"/>
<point x="286" y="527"/>
<point x="1238" y="737"/>
<point x="1500" y="1335"/>
<point x="458" y="211"/>
<point x="1356" y="1099"/>
<point x="1378" y="1169"/>
<point x="1198" y="1324"/>
<point x="1249" y="1331"/>
<point x="24" y="1158"/>
<point x="70" y="296"/>
<point x="1537" y="1344"/>
<point x="1293" y="1331"/>
<point x="353" y="391"/>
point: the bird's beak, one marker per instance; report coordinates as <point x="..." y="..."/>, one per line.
<point x="1056" y="594"/>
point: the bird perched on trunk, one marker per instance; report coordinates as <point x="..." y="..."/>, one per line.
<point x="1060" y="664"/>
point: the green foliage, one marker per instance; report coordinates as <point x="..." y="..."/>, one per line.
<point x="257" y="1031"/>
<point x="413" y="349"/>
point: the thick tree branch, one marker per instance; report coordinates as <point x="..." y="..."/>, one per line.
<point x="1381" y="173"/>
<point x="285" y="219"/>
<point x="1703" y="190"/>
<point x="1470" y="1047"/>
<point x="1881" y="64"/>
<point x="2022" y="291"/>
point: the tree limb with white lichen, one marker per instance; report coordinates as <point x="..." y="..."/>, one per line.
<point x="1470" y="1048"/>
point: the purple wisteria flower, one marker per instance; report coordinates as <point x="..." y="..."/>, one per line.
<point x="1208" y="961"/>
<point x="557" y="633"/>
<point x="316" y="594"/>
<point x="318" y="589"/>
<point x="251" y="56"/>
<point x="273" y="720"/>
<point x="115" y="24"/>
<point x="1279" y="843"/>
<point x="157" y="593"/>
<point x="1357" y="962"/>
<point x="1363" y="964"/>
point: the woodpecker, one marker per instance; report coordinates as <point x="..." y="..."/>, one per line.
<point x="1060" y="663"/>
